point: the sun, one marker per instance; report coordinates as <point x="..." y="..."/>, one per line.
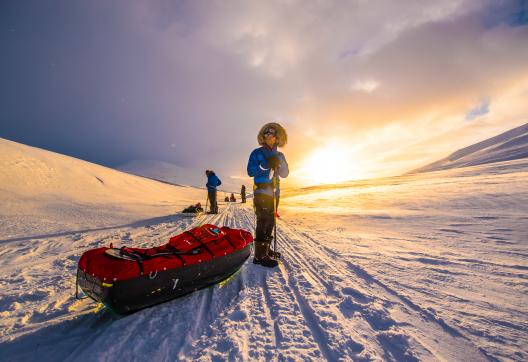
<point x="330" y="164"/>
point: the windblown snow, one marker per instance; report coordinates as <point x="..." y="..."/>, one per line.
<point x="510" y="145"/>
<point x="431" y="266"/>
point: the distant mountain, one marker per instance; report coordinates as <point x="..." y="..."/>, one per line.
<point x="510" y="145"/>
<point x="163" y="171"/>
<point x="173" y="174"/>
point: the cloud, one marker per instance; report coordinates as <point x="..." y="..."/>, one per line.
<point x="191" y="82"/>
<point x="367" y="85"/>
<point x="478" y="111"/>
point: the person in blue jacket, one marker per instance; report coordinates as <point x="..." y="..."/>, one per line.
<point x="267" y="165"/>
<point x="212" y="183"/>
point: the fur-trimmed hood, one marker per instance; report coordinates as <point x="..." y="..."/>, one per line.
<point x="282" y="136"/>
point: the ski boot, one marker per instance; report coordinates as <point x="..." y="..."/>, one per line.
<point x="261" y="255"/>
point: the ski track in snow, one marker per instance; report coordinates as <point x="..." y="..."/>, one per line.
<point x="388" y="316"/>
<point x="318" y="305"/>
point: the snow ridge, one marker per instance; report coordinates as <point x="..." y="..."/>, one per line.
<point x="510" y="145"/>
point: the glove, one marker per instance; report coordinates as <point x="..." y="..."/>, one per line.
<point x="274" y="162"/>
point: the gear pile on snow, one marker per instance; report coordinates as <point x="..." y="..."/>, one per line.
<point x="129" y="279"/>
<point x="193" y="209"/>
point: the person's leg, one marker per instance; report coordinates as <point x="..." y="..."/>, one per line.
<point x="269" y="224"/>
<point x="263" y="210"/>
<point x="267" y="221"/>
<point x="269" y="231"/>
<point x="260" y="211"/>
<point x="212" y="201"/>
<point x="214" y="204"/>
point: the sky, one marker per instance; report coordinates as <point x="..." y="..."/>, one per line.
<point x="364" y="88"/>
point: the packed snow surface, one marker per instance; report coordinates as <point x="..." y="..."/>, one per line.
<point x="430" y="266"/>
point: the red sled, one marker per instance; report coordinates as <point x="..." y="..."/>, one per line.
<point x="128" y="279"/>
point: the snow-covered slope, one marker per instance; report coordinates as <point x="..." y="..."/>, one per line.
<point x="428" y="267"/>
<point x="168" y="172"/>
<point x="509" y="145"/>
<point x="43" y="192"/>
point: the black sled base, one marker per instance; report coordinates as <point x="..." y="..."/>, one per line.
<point x="127" y="296"/>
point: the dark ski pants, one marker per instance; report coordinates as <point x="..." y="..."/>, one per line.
<point x="212" y="199"/>
<point x="265" y="218"/>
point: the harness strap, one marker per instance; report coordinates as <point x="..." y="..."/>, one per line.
<point x="140" y="257"/>
<point x="201" y="243"/>
<point x="177" y="253"/>
<point x="136" y="256"/>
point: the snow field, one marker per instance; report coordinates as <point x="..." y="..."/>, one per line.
<point x="417" y="268"/>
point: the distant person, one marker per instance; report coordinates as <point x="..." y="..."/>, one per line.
<point x="266" y="165"/>
<point x="226" y="199"/>
<point x="212" y="183"/>
<point x="232" y="198"/>
<point x="243" y="194"/>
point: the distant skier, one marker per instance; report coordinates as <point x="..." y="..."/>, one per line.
<point x="232" y="198"/>
<point x="212" y="183"/>
<point x="266" y="165"/>
<point x="243" y="194"/>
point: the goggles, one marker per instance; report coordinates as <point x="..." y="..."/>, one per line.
<point x="270" y="132"/>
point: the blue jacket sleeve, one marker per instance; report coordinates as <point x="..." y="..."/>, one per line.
<point x="254" y="166"/>
<point x="213" y="181"/>
<point x="284" y="171"/>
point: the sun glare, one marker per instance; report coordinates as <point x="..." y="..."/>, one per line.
<point x="330" y="164"/>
